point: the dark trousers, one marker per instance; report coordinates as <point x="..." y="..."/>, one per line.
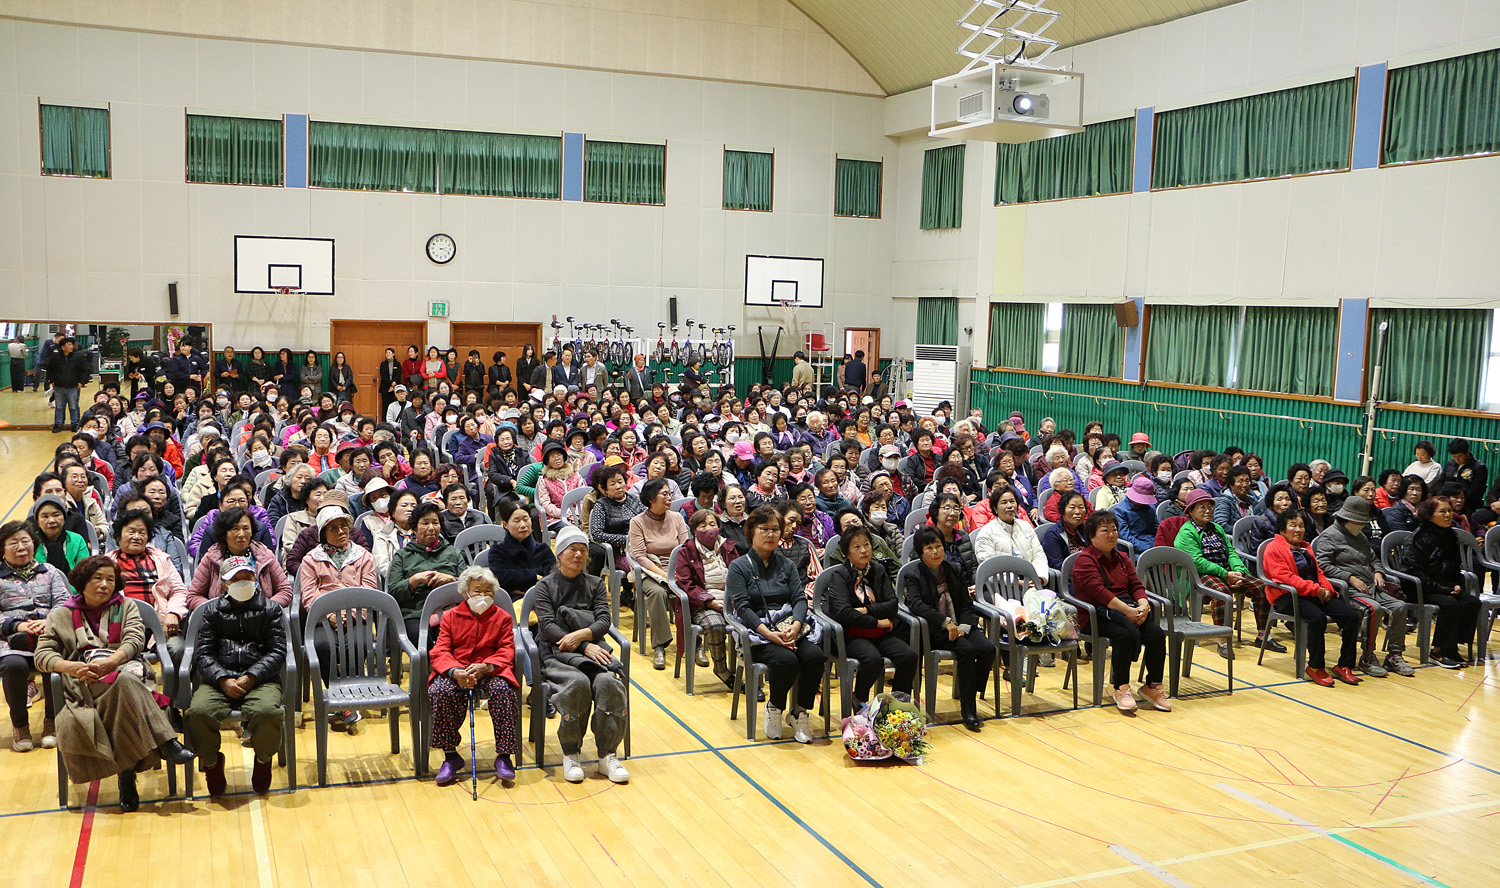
<point x="975" y="654"/>
<point x="15" y="670"/>
<point x="17" y="374"/>
<point x="1316" y="615"/>
<point x="872" y="654"/>
<point x="1457" y="617"/>
<point x="414" y="626"/>
<point x="1127" y="640"/>
<point x="785" y="667"/>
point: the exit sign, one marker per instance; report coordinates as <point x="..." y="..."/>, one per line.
<point x="437" y="309"/>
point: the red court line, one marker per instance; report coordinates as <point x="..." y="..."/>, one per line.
<point x="85" y="832"/>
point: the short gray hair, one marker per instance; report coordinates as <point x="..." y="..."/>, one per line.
<point x="477" y="572"/>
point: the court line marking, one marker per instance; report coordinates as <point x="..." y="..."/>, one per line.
<point x="257" y="826"/>
<point x="85" y="835"/>
<point x="761" y="789"/>
<point x="1149" y="867"/>
<point x="1326" y="833"/>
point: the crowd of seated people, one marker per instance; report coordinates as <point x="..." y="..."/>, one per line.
<point x="248" y="502"/>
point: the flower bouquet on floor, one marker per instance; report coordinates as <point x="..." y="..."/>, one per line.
<point x="889" y="726"/>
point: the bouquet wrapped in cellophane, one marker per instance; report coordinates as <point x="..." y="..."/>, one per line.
<point x="887" y="727"/>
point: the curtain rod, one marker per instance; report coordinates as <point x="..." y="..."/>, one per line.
<point x="999" y="385"/>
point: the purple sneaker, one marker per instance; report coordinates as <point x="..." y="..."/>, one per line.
<point x="447" y="775"/>
<point x="504" y="769"/>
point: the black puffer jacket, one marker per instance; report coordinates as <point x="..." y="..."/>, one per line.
<point x="240" y="639"/>
<point x="1433" y="558"/>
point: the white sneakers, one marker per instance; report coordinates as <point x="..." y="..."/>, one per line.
<point x="609" y="766"/>
<point x="801" y="725"/>
<point x="572" y="771"/>
<point x="773" y="722"/>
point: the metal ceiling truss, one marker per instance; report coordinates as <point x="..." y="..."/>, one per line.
<point x="1007" y="32"/>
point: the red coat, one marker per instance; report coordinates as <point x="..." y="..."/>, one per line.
<point x="1281" y="567"/>
<point x="464" y="639"/>
<point x="1166" y="532"/>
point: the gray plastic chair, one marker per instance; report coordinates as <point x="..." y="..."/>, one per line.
<point x="1392" y="563"/>
<point x="679" y="504"/>
<point x="290" y="687"/>
<point x="1161" y="511"/>
<point x="571" y="500"/>
<point x="919" y="504"/>
<point x="1173" y="583"/>
<point x="908" y="550"/>
<point x="1489" y="604"/>
<point x="1274" y="616"/>
<point x="441" y="599"/>
<point x="688" y="632"/>
<point x="914" y="521"/>
<point x="367" y="635"/>
<point x="91" y="537"/>
<point x="1471" y="555"/>
<point x="1099" y="643"/>
<point x="1134" y="466"/>
<point x="473" y="542"/>
<point x="1007" y="576"/>
<point x="540" y="693"/>
<point x="921" y="641"/>
<point x="166" y="671"/>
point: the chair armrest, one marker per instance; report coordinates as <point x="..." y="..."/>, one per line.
<point x="289" y="662"/>
<point x="921" y="633"/>
<point x="624" y="644"/>
<point x="311" y="653"/>
<point x="1084" y="607"/>
<point x="1166" y="606"/>
<point x="998" y="618"/>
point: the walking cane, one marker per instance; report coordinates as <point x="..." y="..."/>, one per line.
<point x="473" y="752"/>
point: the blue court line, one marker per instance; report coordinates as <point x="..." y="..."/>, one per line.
<point x="761" y="789"/>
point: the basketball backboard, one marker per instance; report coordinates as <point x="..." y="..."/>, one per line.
<point x="280" y="264"/>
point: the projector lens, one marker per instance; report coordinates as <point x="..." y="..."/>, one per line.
<point x="1022" y="104"/>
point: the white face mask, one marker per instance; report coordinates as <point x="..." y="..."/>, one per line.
<point x="877" y="518"/>
<point x="733" y="437"/>
<point x="382" y="506"/>
<point x="242" y="590"/>
<point x="261" y="458"/>
<point x="890" y="462"/>
<point x="480" y="603"/>
<point x="1335" y="489"/>
<point x="1164" y="475"/>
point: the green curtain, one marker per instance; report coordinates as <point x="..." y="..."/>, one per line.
<point x="75" y="141"/>
<point x="625" y="172"/>
<point x="943" y="187"/>
<point x="1091" y="343"/>
<point x="1288" y="350"/>
<point x="1433" y="356"/>
<point x="1447" y="108"/>
<point x="1304" y="130"/>
<point x="1016" y="333"/>
<point x="1190" y="344"/>
<point x="747" y="180"/>
<point x="233" y="150"/>
<point x="856" y="188"/>
<point x="937" y="321"/>
<point x="1095" y="161"/>
<point x="500" y="165"/>
<point x="359" y="157"/>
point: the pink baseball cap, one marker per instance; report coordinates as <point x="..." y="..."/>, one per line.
<point x="744" y="450"/>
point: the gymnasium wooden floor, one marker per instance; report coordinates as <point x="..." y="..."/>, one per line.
<point x="1396" y="782"/>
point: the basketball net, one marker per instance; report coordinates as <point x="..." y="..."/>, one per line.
<point x="789" y="319"/>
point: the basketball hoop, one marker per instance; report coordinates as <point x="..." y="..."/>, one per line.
<point x="283" y="291"/>
<point x="789" y="315"/>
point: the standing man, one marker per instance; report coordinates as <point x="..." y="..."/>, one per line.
<point x="69" y="369"/>
<point x="802" y="372"/>
<point x="228" y="371"/>
<point x="18" y="352"/>
<point x="544" y="376"/>
<point x="638" y="380"/>
<point x="184" y="368"/>
<point x="593" y="372"/>
<point x="44" y="354"/>
<point x="566" y="371"/>
<point x="856" y="376"/>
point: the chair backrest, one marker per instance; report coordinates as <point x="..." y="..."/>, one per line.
<point x="1492" y="544"/>
<point x="1240" y="534"/>
<point x="362" y="624"/>
<point x="1180" y="476"/>
<point x="914" y="520"/>
<point x="1393" y="550"/>
<point x="280" y="526"/>
<point x="472" y="542"/>
<point x="908" y="550"/>
<point x="1042" y="528"/>
<point x="1005" y="576"/>
<point x="91" y="536"/>
<point x="1047" y="496"/>
<point x="197" y="524"/>
<point x="265" y="479"/>
<point x="1161" y="511"/>
<point x="441" y="599"/>
<point x="672" y="567"/>
<point x="1066" y="574"/>
<point x="573" y="498"/>
<point x="1169" y="572"/>
<point x="829" y="548"/>
<point x="1468" y="549"/>
<point x="906" y="575"/>
<point x="680" y="503"/>
<point x="1134" y="466"/>
<point x="475" y="513"/>
<point x="920" y="503"/>
<point x="820" y="592"/>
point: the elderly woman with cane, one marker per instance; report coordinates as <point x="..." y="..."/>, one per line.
<point x="475" y="650"/>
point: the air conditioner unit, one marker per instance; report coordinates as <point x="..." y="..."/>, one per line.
<point x="941" y="373"/>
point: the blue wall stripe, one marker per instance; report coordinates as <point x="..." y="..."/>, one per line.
<point x="1349" y="367"/>
<point x="295" y="135"/>
<point x="1132" y="368"/>
<point x="1369" y="116"/>
<point x="572" y="166"/>
<point x="1145" y="139"/>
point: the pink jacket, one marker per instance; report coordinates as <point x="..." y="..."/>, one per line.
<point x="170" y="594"/>
<point x="269" y="576"/>
<point x="319" y="577"/>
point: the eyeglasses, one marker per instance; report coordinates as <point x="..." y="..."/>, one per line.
<point x="950" y="509"/>
<point x="768" y="530"/>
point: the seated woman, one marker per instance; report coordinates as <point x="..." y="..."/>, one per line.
<point x="310" y="501"/>
<point x="805" y="557"/>
<point x="337" y="563"/>
<point x="456" y="516"/>
<point x="1375" y="526"/>
<point x="1402" y="514"/>
<point x="29" y="589"/>
<point x="1221" y="568"/>
<point x="218" y="472"/>
<point x="57" y="546"/>
<point x="521" y="559"/>
<point x="656" y="466"/>
<point x="464" y="445"/>
<point x="1289" y="561"/>
<point x="939" y="594"/>
<point x="581" y="671"/>
<point x="702" y="568"/>
<point x="1065" y="537"/>
<point x="862" y="598"/>
<point x="238" y="659"/>
<point x="233" y="534"/>
<point x="1161" y="470"/>
<point x="475" y="649"/>
<point x="770" y="599"/>
<point x="653" y="534"/>
<point x="1433" y="558"/>
<point x="1316" y="512"/>
<point x="559" y="476"/>
<point x="148" y="576"/>
<point x="423" y="564"/>
<point x="1005" y="535"/>
<point x="1111" y="492"/>
<point x="732" y="515"/>
<point x="111" y="721"/>
<point x="1059" y="482"/>
<point x="885" y="556"/>
<point x="767" y="489"/>
<point x="290" y="497"/>
<point x="1105" y="578"/>
<point x="1279" y="498"/>
<point x="946" y="513"/>
<point x="237" y="494"/>
<point x="817" y="525"/>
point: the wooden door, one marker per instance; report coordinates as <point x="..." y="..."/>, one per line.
<point x="492" y="337"/>
<point x="363" y="344"/>
<point x="865" y="339"/>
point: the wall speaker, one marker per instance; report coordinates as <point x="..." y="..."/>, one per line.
<point x="172" y="299"/>
<point x="1125" y="314"/>
<point x="672" y="306"/>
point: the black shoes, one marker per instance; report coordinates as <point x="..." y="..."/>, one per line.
<point x="174" y="753"/>
<point x="971" y="717"/>
<point x="1270" y="644"/>
<point x="130" y="800"/>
